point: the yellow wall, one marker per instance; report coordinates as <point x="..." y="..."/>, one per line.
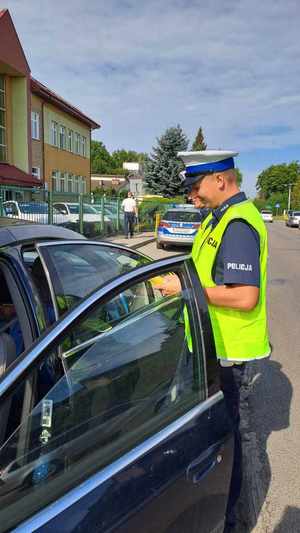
<point x="56" y="159"/>
<point x="63" y="119"/>
<point x="19" y="109"/>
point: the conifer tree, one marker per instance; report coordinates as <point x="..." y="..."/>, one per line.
<point x="199" y="143"/>
<point x="162" y="168"/>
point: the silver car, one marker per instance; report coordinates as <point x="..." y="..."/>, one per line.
<point x="293" y="219"/>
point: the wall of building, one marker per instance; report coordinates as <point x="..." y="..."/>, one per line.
<point x="63" y="161"/>
<point x="19" y="119"/>
<point x="51" y="113"/>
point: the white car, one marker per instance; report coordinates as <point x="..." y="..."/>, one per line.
<point x="71" y="211"/>
<point x="266" y="215"/>
<point x="293" y="219"/>
<point x="32" y="211"/>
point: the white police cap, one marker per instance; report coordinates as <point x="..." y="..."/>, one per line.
<point x="205" y="162"/>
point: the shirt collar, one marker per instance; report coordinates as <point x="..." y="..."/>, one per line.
<point x="221" y="210"/>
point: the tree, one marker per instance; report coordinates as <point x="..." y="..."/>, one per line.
<point x="162" y="168"/>
<point x="100" y="158"/>
<point x="295" y="196"/>
<point x="276" y="178"/>
<point x="199" y="143"/>
<point x="239" y="176"/>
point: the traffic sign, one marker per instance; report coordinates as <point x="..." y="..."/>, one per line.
<point x="277" y="205"/>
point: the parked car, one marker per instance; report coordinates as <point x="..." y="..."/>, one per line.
<point x="71" y="211"/>
<point x="266" y="215"/>
<point x="32" y="211"/>
<point x="178" y="226"/>
<point x="107" y="417"/>
<point x="293" y="219"/>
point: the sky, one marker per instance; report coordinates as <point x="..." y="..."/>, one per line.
<point x="138" y="68"/>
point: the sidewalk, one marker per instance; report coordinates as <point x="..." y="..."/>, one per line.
<point x="137" y="241"/>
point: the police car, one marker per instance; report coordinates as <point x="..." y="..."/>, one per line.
<point x="179" y="226"/>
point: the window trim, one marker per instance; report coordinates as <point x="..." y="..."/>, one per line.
<point x="82" y="309"/>
<point x="35" y="125"/>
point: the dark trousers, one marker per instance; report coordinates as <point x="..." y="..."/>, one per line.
<point x="129" y="223"/>
<point x="231" y="382"/>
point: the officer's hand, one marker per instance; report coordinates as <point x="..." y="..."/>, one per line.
<point x="168" y="285"/>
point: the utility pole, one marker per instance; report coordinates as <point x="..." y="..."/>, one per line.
<point x="289" y="200"/>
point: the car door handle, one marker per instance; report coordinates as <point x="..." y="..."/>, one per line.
<point x="207" y="461"/>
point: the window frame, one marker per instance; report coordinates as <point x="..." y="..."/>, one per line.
<point x="36" y="174"/>
<point x="54" y="133"/>
<point x="35" y="125"/>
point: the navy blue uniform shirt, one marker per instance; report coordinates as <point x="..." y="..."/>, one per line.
<point x="237" y="260"/>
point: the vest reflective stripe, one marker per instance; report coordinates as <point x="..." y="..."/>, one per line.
<point x="239" y="335"/>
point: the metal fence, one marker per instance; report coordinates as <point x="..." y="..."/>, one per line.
<point x="91" y="215"/>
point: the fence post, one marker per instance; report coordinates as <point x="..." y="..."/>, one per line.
<point x="157" y="221"/>
<point x="1" y="201"/>
<point x="50" y="207"/>
<point x="81" y="213"/>
<point x="118" y="215"/>
<point x="102" y="213"/>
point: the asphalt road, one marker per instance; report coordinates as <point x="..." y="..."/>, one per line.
<point x="271" y="398"/>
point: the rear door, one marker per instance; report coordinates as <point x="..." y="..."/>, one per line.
<point x="128" y="432"/>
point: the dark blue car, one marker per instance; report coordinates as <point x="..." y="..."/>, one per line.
<point x="108" y="421"/>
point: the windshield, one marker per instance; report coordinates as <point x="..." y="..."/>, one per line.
<point x="265" y="212"/>
<point x="182" y="216"/>
<point x="296" y="214"/>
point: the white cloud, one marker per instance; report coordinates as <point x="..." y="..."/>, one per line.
<point x="139" y="67"/>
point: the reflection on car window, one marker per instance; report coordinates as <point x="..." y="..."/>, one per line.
<point x="134" y="377"/>
<point x="78" y="269"/>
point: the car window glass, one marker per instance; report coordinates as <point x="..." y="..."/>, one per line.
<point x="78" y="269"/>
<point x="182" y="216"/>
<point x="131" y="380"/>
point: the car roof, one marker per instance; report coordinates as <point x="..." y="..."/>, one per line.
<point x="16" y="233"/>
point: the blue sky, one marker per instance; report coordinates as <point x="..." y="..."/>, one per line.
<point x="136" y="67"/>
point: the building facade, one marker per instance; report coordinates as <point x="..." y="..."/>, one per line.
<point x="44" y="140"/>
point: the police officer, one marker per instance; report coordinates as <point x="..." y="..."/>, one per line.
<point x="230" y="255"/>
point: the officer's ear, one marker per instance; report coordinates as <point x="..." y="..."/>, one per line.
<point x="220" y="181"/>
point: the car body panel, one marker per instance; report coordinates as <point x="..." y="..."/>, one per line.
<point x="188" y="462"/>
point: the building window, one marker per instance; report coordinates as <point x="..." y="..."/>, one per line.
<point x="77" y="143"/>
<point x="3" y="153"/>
<point x="70" y="140"/>
<point x="36" y="172"/>
<point x="76" y="185"/>
<point x="54" y="129"/>
<point x="55" y="181"/>
<point x="35" y="125"/>
<point x="82" y="185"/>
<point x="62" y="137"/>
<point x="83" y="146"/>
<point x="70" y="183"/>
<point x="63" y="182"/>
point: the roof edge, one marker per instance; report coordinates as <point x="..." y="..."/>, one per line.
<point x="50" y="96"/>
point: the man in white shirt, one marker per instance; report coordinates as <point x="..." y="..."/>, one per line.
<point x="130" y="212"/>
